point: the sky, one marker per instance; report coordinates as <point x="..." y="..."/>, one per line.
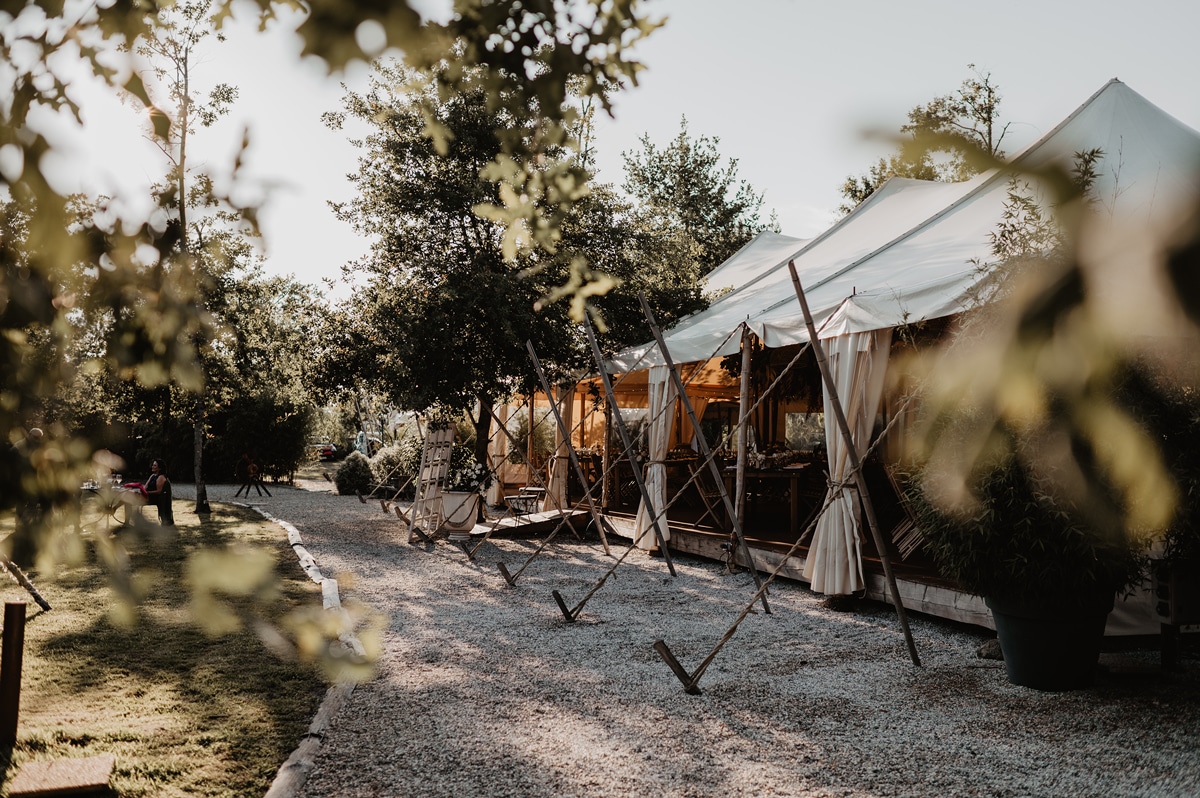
<point x="789" y="88"/>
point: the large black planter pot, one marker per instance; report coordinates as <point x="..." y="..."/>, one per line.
<point x="1048" y="646"/>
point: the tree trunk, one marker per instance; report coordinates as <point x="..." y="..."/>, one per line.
<point x="202" y="507"/>
<point x="483" y="429"/>
<point x="483" y="434"/>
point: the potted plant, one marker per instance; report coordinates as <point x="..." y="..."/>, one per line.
<point x="465" y="481"/>
<point x="1048" y="570"/>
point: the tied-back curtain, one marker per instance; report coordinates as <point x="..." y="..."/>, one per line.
<point x="858" y="364"/>
<point x="498" y="455"/>
<point x="560" y="463"/>
<point x="661" y="418"/>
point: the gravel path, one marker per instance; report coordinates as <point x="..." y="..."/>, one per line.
<point x="485" y="690"/>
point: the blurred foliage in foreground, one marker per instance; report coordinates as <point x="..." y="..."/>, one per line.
<point x="90" y="291"/>
<point x="1076" y="377"/>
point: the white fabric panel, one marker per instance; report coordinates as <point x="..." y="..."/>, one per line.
<point x="662" y="417"/>
<point x="497" y="457"/>
<point x="858" y="363"/>
<point x="893" y="209"/>
<point x="560" y="463"/>
<point x="757" y="257"/>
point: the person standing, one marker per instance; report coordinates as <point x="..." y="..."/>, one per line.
<point x="158" y="492"/>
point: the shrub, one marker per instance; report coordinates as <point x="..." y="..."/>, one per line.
<point x="397" y="463"/>
<point x="1021" y="539"/>
<point x="354" y="475"/>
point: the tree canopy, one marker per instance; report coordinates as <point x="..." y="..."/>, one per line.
<point x="685" y="194"/>
<point x="949" y="138"/>
<point x="444" y="316"/>
<point x="120" y="301"/>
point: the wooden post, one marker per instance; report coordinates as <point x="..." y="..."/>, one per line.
<point x="743" y="438"/>
<point x="856" y="466"/>
<point x="627" y="444"/>
<point x="11" y="656"/>
<point x="605" y="461"/>
<point x="702" y="444"/>
<point x="530" y="448"/>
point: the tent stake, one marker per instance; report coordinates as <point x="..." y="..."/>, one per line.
<point x="572" y="614"/>
<point x="703" y="444"/>
<point x="562" y="605"/>
<point x="855" y="465"/>
<point x="689" y="684"/>
<point x="628" y="446"/>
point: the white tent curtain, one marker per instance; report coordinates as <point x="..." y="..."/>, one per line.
<point x="661" y="419"/>
<point x="560" y="463"/>
<point x="858" y="363"/>
<point x="497" y="456"/>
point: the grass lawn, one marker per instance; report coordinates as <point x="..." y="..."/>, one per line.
<point x="182" y="712"/>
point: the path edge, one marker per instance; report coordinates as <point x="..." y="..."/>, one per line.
<point x="294" y="772"/>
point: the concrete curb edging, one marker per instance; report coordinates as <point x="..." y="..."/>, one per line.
<point x="293" y="773"/>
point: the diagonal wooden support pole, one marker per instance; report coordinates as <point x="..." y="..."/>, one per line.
<point x="572" y="614"/>
<point x="628" y="446"/>
<point x="23" y="581"/>
<point x="855" y="465"/>
<point x="703" y="445"/>
<point x="511" y="578"/>
<point x="566" y="434"/>
<point x="691" y="681"/>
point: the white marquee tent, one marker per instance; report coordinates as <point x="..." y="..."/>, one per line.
<point x="909" y="253"/>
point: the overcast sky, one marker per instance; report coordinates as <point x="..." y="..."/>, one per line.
<point x="787" y="86"/>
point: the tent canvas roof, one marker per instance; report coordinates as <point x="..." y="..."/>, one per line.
<point x="758" y="256"/>
<point x="909" y="251"/>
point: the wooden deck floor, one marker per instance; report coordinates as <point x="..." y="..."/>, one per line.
<point x="532" y="523"/>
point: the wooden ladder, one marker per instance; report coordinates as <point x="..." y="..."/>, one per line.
<point x="431" y="478"/>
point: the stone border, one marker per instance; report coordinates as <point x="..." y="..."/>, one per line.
<point x="294" y="772"/>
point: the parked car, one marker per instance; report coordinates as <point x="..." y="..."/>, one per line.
<point x="323" y="450"/>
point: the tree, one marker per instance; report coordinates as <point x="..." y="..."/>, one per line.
<point x="171" y="49"/>
<point x="685" y="194"/>
<point x="628" y="244"/>
<point x="445" y="317"/>
<point x="949" y="138"/>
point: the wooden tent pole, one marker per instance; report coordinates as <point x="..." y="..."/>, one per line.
<point x="23" y="581"/>
<point x="629" y="450"/>
<point x="855" y="465"/>
<point x="605" y="461"/>
<point x="743" y="438"/>
<point x="705" y="452"/>
<point x="530" y="448"/>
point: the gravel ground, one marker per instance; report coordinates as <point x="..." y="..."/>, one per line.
<point x="485" y="690"/>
